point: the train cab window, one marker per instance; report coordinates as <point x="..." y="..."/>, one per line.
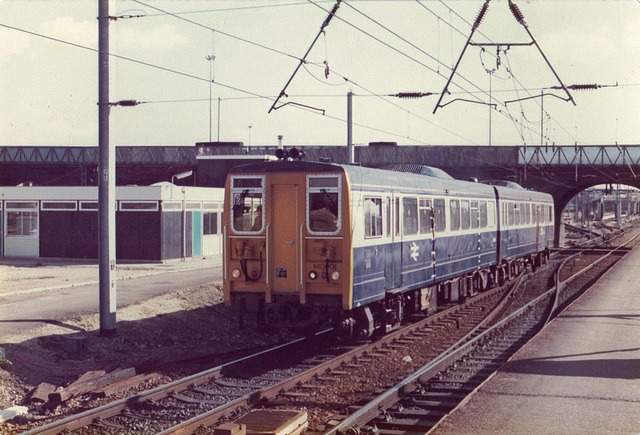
<point x="439" y="220"/>
<point x="410" y="216"/>
<point x="373" y="217"/>
<point x="464" y="215"/>
<point x="474" y="214"/>
<point x="454" y="209"/>
<point x="426" y="216"/>
<point x="248" y="196"/>
<point x="323" y="203"/>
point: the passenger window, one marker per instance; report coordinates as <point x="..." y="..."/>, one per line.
<point x="388" y="215"/>
<point x="410" y="216"/>
<point x="511" y="213"/>
<point x="440" y="223"/>
<point x="483" y="214"/>
<point x="474" y="214"/>
<point x="491" y="214"/>
<point x="426" y="217"/>
<point x="373" y="217"/>
<point x="464" y="215"/>
<point x="323" y="204"/>
<point x="397" y="216"/>
<point x="454" y="209"/>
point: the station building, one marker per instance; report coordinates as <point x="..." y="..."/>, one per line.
<point x="153" y="223"/>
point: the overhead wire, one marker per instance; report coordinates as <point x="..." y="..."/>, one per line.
<point x="176" y="15"/>
<point x="419" y="49"/>
<point x="515" y="78"/>
<point x="286" y="54"/>
<point x="129" y="59"/>
<point x="220" y="32"/>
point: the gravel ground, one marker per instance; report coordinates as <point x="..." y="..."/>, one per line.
<point x="159" y="335"/>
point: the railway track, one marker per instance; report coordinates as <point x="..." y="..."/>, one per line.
<point x="461" y="344"/>
<point x="282" y="375"/>
<point x="416" y="404"/>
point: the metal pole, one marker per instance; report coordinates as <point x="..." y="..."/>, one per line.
<point x="541" y="117"/>
<point x="350" y="128"/>
<point x="106" y="184"/>
<point x="490" y="101"/>
<point x="210" y="109"/>
<point x="218" y="119"/>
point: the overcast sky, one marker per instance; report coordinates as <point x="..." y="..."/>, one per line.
<point x="49" y="72"/>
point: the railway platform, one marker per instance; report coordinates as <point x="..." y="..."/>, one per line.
<point x="581" y="374"/>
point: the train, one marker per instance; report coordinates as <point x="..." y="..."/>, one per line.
<point x="361" y="249"/>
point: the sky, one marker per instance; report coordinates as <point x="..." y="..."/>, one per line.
<point x="373" y="49"/>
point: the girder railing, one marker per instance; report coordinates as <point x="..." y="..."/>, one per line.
<point x="609" y="155"/>
<point x="438" y="156"/>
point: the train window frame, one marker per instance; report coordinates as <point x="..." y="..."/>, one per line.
<point x="409" y="223"/>
<point x="425" y="213"/>
<point x="439" y="215"/>
<point x="372" y="220"/>
<point x="387" y="215"/>
<point x="397" y="216"/>
<point x="491" y="214"/>
<point x="483" y="214"/>
<point x="255" y="191"/>
<point x="474" y="214"/>
<point x="511" y="214"/>
<point x="465" y="214"/>
<point x="325" y="191"/>
<point x="454" y="214"/>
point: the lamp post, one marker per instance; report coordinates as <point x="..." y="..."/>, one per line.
<point x="210" y="58"/>
<point x="180" y="176"/>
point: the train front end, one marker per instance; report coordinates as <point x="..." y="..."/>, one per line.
<point x="287" y="258"/>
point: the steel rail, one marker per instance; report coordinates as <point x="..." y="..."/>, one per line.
<point x="464" y="346"/>
<point x="212" y="416"/>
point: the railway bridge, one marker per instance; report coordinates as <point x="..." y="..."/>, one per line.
<point x="562" y="171"/>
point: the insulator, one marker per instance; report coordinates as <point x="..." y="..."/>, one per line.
<point x="515" y="10"/>
<point x="583" y="87"/>
<point x="409" y="95"/>
<point x="481" y="14"/>
<point x="127" y="103"/>
<point x="413" y="94"/>
<point x="331" y="14"/>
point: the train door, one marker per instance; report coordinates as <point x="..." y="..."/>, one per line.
<point x="393" y="246"/>
<point x="285" y="239"/>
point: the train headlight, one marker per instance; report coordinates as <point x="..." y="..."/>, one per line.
<point x="313" y="274"/>
<point x="255" y="274"/>
<point x="335" y="275"/>
<point x="236" y="273"/>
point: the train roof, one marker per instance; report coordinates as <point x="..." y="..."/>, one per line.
<point x="372" y="178"/>
<point x="383" y="179"/>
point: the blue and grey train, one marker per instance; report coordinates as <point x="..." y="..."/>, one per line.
<point x="307" y="243"/>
